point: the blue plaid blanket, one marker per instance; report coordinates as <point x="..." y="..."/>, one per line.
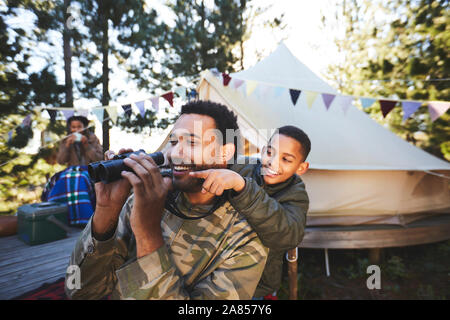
<point x="73" y="187"/>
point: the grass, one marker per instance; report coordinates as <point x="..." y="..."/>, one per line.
<point x="412" y="273"/>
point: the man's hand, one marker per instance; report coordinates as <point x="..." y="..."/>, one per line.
<point x="219" y="180"/>
<point x="150" y="191"/>
<point x="110" y="199"/>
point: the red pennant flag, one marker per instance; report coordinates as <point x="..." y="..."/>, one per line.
<point x="387" y="106"/>
<point x="226" y="79"/>
<point x="169" y="97"/>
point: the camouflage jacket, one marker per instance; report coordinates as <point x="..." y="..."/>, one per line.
<point x="278" y="215"/>
<point x="216" y="257"/>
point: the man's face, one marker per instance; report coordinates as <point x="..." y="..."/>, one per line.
<point x="194" y="144"/>
<point x="76" y="126"/>
<point x="280" y="159"/>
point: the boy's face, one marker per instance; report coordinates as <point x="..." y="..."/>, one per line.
<point x="281" y="159"/>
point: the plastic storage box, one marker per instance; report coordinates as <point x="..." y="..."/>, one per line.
<point x="42" y="222"/>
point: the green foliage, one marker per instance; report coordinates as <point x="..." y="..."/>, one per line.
<point x="117" y="35"/>
<point x="358" y="269"/>
<point x="20" y="139"/>
<point x="395" y="268"/>
<point x="397" y="49"/>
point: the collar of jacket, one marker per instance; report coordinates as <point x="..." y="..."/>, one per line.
<point x="178" y="204"/>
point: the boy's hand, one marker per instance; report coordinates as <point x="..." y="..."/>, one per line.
<point x="219" y="180"/>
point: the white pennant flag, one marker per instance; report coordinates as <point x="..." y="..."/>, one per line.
<point x="344" y="102"/>
<point x="155" y="103"/>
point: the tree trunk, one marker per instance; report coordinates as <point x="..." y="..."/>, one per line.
<point x="67" y="59"/>
<point x="105" y="76"/>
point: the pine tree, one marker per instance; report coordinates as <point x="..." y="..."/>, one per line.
<point x="398" y="49"/>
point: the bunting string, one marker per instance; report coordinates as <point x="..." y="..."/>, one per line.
<point x="435" y="108"/>
<point x="112" y="111"/>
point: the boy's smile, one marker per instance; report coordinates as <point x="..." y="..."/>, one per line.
<point x="281" y="159"/>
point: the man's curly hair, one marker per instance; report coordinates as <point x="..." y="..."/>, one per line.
<point x="223" y="117"/>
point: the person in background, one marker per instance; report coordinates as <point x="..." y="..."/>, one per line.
<point x="80" y="147"/>
<point x="73" y="185"/>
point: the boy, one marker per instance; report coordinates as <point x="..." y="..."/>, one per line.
<point x="271" y="196"/>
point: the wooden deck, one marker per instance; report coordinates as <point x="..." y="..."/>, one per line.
<point x="24" y="268"/>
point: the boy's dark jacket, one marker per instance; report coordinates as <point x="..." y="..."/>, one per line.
<point x="278" y="215"/>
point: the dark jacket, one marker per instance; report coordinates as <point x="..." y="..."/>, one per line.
<point x="277" y="213"/>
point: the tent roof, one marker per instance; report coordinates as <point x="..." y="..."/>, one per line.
<point x="340" y="141"/>
<point x="282" y="68"/>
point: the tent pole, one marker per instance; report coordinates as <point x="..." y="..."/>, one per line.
<point x="327" y="265"/>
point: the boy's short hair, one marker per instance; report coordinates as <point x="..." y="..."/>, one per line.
<point x="299" y="135"/>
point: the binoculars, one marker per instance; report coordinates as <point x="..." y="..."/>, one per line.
<point x="108" y="171"/>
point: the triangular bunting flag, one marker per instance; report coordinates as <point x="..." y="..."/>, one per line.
<point x="250" y="87"/>
<point x="327" y="99"/>
<point x="181" y="92"/>
<point x="155" y="103"/>
<point x="192" y="95"/>
<point x="310" y="98"/>
<point x="98" y="112"/>
<point x="367" y="102"/>
<point x="278" y="91"/>
<point x="27" y="121"/>
<point x="344" y="102"/>
<point x="112" y="111"/>
<point x="141" y="106"/>
<point x="386" y="106"/>
<point x="169" y="97"/>
<point x="264" y="89"/>
<point x="409" y="107"/>
<point x="52" y="114"/>
<point x="226" y="78"/>
<point x="83" y="112"/>
<point x="127" y="109"/>
<point x="237" y="83"/>
<point x="68" y="113"/>
<point x="215" y="72"/>
<point x="437" y="109"/>
<point x="294" y="95"/>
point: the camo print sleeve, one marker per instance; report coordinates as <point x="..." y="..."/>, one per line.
<point x="98" y="261"/>
<point x="233" y="274"/>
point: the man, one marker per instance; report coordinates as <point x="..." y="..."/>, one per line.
<point x="193" y="246"/>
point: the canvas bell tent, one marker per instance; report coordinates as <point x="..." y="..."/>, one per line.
<point x="360" y="172"/>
